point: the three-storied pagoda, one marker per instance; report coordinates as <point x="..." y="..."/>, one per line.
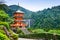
<point x="19" y="19"/>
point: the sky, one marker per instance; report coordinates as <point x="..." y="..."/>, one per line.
<point x="34" y="5"/>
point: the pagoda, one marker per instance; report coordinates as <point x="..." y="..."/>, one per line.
<point x="18" y="19"/>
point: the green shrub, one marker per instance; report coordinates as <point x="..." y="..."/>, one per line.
<point x="3" y="37"/>
<point x="5" y="24"/>
<point x="38" y="31"/>
<point x="13" y="35"/>
<point x="57" y="32"/>
<point x="2" y="31"/>
<point x="36" y="36"/>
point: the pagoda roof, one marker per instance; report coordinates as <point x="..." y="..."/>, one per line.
<point x="19" y="11"/>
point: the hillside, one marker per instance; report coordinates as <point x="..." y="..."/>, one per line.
<point x="6" y="9"/>
<point x="47" y="18"/>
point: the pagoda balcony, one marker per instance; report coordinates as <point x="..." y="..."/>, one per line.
<point x="20" y="20"/>
<point x="18" y="16"/>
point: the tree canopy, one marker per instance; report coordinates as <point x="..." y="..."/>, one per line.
<point x="47" y="18"/>
<point x="3" y="16"/>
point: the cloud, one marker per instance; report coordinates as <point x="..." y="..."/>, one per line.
<point x="2" y="1"/>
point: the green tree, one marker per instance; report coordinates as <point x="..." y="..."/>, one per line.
<point x="3" y="16"/>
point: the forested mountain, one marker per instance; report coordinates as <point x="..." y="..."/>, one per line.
<point x="6" y="9"/>
<point x="47" y="18"/>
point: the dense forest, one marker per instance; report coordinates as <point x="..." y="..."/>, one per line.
<point x="47" y="18"/>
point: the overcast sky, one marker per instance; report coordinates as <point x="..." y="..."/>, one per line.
<point x="34" y="5"/>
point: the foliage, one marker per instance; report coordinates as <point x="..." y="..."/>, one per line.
<point x="56" y="32"/>
<point x="49" y="36"/>
<point x="3" y="16"/>
<point x="5" y="21"/>
<point x="19" y="31"/>
<point x="13" y="35"/>
<point x="41" y="33"/>
<point x="6" y="24"/>
<point x="38" y="31"/>
<point x="47" y="18"/>
<point x="2" y="31"/>
<point x="36" y="35"/>
<point x="3" y="37"/>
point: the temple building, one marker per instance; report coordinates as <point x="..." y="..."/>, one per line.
<point x="19" y="19"/>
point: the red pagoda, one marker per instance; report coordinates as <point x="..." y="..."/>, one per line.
<point x="18" y="19"/>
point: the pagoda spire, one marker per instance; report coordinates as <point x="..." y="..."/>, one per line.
<point x="18" y="3"/>
<point x="18" y="6"/>
<point x="18" y="10"/>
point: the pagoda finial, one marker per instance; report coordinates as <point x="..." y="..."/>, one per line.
<point x="18" y="3"/>
<point x="18" y="6"/>
<point x="18" y="10"/>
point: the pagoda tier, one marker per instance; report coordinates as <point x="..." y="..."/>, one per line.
<point x="17" y="24"/>
<point x="18" y="19"/>
<point x="17" y="14"/>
